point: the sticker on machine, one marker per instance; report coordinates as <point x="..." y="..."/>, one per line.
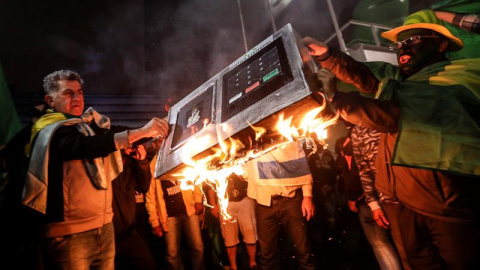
<point x="237" y="96"/>
<point x="194" y="116"/>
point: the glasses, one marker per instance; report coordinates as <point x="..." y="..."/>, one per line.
<point x="408" y="42"/>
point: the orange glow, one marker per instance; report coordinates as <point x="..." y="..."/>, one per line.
<point x="231" y="154"/>
<point x="259" y="131"/>
<point x="205" y="122"/>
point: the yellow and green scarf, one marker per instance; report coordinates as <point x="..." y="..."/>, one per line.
<point x="440" y="116"/>
<point x="49" y="118"/>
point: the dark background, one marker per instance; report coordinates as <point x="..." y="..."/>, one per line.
<point x="165" y="48"/>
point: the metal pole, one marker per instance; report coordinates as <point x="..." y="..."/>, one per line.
<point x="243" y="27"/>
<point x="271" y="16"/>
<point x="343" y="47"/>
<point x="374" y="33"/>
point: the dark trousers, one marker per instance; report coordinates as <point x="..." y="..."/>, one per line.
<point x="286" y="212"/>
<point x="132" y="252"/>
<point x="433" y="244"/>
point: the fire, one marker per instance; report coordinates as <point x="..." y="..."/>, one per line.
<point x="259" y="131"/>
<point x="205" y="122"/>
<point x="232" y="154"/>
<point x="206" y="169"/>
<point x="286" y="129"/>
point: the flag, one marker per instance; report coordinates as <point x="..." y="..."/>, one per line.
<point x="470" y="39"/>
<point x="9" y="121"/>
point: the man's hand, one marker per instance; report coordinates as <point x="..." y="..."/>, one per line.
<point x="155" y="128"/>
<point x="308" y="209"/>
<point x="138" y="153"/>
<point x="141" y="152"/>
<point x="380" y="218"/>
<point x="353" y="206"/>
<point x="212" y="200"/>
<point x="315" y="47"/>
<point x="329" y="82"/>
<point x="198" y="208"/>
<point x="157" y="231"/>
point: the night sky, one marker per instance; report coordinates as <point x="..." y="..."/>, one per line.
<point x="162" y="47"/>
<point x="166" y="47"/>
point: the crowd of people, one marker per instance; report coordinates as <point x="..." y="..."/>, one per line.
<point x="408" y="171"/>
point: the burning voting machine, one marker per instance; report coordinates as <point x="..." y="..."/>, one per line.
<point x="273" y="81"/>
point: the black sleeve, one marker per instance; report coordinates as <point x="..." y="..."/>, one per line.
<point x="381" y="115"/>
<point x="353" y="186"/>
<point x="68" y="144"/>
<point x="143" y="176"/>
<point x="350" y="71"/>
<point x="116" y="128"/>
<point x="113" y="128"/>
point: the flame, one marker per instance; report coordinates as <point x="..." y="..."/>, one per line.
<point x="193" y="129"/>
<point x="232" y="154"/>
<point x="259" y="131"/>
<point x="286" y="129"/>
<point x="205" y="170"/>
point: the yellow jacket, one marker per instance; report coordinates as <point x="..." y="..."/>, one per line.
<point x="155" y="204"/>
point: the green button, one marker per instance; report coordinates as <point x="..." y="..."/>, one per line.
<point x="270" y="75"/>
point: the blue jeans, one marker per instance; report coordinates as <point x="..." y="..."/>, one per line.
<point x="286" y="212"/>
<point x="380" y="240"/>
<point x="190" y="227"/>
<point x="93" y="249"/>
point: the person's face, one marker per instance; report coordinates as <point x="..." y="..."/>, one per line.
<point x="420" y="48"/>
<point x="68" y="99"/>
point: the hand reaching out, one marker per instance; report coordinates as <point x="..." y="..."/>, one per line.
<point x="157" y="231"/>
<point x="315" y="47"/>
<point x="353" y="206"/>
<point x="308" y="209"/>
<point x="380" y="218"/>
<point x="155" y="128"/>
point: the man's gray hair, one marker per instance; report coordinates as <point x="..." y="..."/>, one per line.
<point x="50" y="82"/>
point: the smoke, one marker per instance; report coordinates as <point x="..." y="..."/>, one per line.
<point x="312" y="18"/>
<point x="171" y="47"/>
<point x="222" y="48"/>
<point x="115" y="59"/>
<point x="203" y="38"/>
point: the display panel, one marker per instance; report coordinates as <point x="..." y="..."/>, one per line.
<point x="255" y="78"/>
<point x="193" y="116"/>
